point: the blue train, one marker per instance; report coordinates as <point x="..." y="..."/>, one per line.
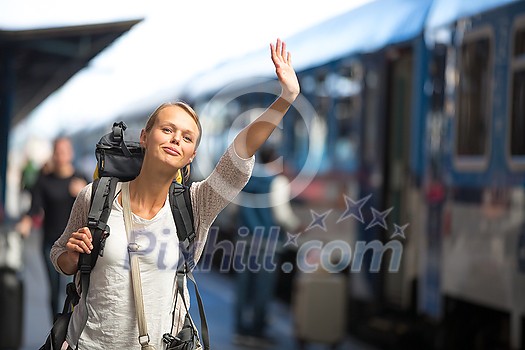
<point x="414" y="111"/>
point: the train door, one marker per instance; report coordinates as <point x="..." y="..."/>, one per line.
<point x="397" y="286"/>
<point x="366" y="285"/>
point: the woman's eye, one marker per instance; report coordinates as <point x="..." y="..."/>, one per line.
<point x="166" y="130"/>
<point x="188" y="138"/>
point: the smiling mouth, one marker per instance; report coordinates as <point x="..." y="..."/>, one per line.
<point x="171" y="151"/>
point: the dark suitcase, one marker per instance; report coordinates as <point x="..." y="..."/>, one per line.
<point x="11" y="309"/>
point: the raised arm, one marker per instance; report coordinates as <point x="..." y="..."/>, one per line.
<point x="257" y="132"/>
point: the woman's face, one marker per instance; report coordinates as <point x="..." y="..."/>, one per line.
<point x="172" y="138"/>
<point x="62" y="153"/>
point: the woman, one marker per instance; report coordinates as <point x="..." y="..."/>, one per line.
<point x="53" y="195"/>
<point x="170" y="139"/>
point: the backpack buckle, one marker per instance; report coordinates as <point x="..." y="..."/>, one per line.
<point x="144" y="340"/>
<point x="92" y="222"/>
<point x="118" y="130"/>
<point x="85" y="268"/>
<point x="168" y="338"/>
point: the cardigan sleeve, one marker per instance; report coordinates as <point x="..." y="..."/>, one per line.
<point x="77" y="219"/>
<point x="211" y="195"/>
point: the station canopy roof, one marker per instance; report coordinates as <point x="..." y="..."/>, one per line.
<point x="44" y="59"/>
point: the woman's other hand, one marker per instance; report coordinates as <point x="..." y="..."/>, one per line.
<point x="80" y="241"/>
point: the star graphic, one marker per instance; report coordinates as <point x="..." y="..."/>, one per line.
<point x="318" y="220"/>
<point x="354" y="208"/>
<point x="379" y="218"/>
<point x="399" y="231"/>
<point x="292" y="239"/>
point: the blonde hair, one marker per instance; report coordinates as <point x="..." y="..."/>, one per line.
<point x="184" y="173"/>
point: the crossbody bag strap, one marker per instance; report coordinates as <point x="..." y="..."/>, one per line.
<point x="135" y="272"/>
<point x="202" y="315"/>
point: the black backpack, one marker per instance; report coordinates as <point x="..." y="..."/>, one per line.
<point x="119" y="159"/>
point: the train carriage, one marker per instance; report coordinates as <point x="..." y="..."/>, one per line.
<point x="476" y="123"/>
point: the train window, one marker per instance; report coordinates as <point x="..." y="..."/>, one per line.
<point x="517" y="95"/>
<point x="473" y="97"/>
<point x="307" y="84"/>
<point x="371" y="147"/>
<point x="519" y="42"/>
<point x="437" y="74"/>
<point x="304" y="135"/>
<point x="323" y="105"/>
<point x="307" y="143"/>
<point x="517" y="106"/>
<point x="346" y="88"/>
<point x="322" y="99"/>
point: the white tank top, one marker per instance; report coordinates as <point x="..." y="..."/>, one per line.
<point x="111" y="317"/>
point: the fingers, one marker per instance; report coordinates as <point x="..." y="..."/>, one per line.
<point x="80" y="241"/>
<point x="274" y="55"/>
<point x="278" y="52"/>
<point x="85" y="231"/>
<point x="272" y="50"/>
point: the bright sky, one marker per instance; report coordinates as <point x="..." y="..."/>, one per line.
<point x="176" y="40"/>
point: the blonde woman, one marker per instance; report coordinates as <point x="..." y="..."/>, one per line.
<point x="170" y="139"/>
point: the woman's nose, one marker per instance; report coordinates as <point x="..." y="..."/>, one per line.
<point x="176" y="137"/>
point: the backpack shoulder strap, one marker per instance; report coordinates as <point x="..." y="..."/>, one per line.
<point x="102" y="195"/>
<point x="182" y="211"/>
<point x="103" y="192"/>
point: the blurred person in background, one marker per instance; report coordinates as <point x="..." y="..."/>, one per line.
<point x="52" y="196"/>
<point x="265" y="217"/>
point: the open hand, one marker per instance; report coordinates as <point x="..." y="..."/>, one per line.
<point x="282" y="61"/>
